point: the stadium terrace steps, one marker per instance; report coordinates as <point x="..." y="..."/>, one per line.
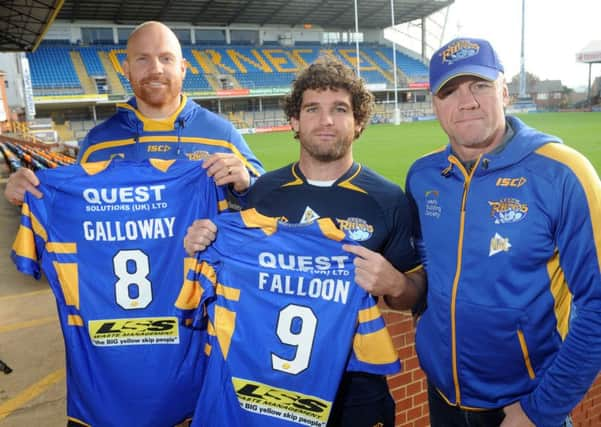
<point x="114" y="82"/>
<point x="87" y="82"/>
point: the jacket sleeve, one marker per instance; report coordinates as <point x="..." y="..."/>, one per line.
<point x="578" y="240"/>
<point x="254" y="166"/>
<point x="83" y="146"/>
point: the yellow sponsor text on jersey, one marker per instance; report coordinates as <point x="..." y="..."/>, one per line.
<point x="134" y="331"/>
<point x="277" y="402"/>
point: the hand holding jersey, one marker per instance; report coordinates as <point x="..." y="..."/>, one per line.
<point x="19" y="183"/>
<point x="228" y="169"/>
<point x="375" y="274"/>
<point x="108" y="238"/>
<point x="281" y="367"/>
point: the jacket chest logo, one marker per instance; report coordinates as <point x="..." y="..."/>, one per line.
<point x="356" y="229"/>
<point x="432" y="207"/>
<point x="498" y="244"/>
<point x="507" y="210"/>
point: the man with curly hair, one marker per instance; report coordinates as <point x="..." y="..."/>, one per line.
<point x="328" y="108"/>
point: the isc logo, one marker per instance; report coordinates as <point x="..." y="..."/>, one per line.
<point x="511" y="182"/>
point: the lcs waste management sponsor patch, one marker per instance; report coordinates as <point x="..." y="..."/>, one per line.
<point x="281" y="403"/>
<point x="140" y="330"/>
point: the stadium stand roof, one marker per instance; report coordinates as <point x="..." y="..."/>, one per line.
<point x="24" y="22"/>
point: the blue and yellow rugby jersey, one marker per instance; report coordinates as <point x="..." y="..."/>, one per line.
<point x="286" y="319"/>
<point x="191" y="132"/>
<point x="108" y="237"/>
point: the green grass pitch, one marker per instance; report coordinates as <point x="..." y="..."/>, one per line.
<point x="390" y="150"/>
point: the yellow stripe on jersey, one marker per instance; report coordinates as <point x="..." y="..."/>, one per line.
<point x="210" y="328"/>
<point x="253" y="219"/>
<point x="189" y="264"/>
<point x="375" y="348"/>
<point x="104" y="145"/>
<point x="231" y="294"/>
<point x="24" y="245"/>
<point x="74" y="320"/>
<point x="92" y="168"/>
<point x="208" y="271"/>
<point x="589" y="180"/>
<point x="69" y="279"/>
<point x="561" y="295"/>
<point x="191" y="292"/>
<point x="297" y="179"/>
<point x="329" y="229"/>
<point x="349" y="185"/>
<point x="369" y="314"/>
<point x="161" y="164"/>
<point x="225" y="322"/>
<point x="37" y="227"/>
<point x="189" y="296"/>
<point x="61" y="248"/>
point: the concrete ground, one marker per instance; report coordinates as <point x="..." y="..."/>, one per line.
<point x="31" y="343"/>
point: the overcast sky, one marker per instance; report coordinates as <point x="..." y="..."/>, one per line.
<point x="555" y="31"/>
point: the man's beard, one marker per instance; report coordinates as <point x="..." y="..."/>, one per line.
<point x="156" y="97"/>
<point x="327" y="154"/>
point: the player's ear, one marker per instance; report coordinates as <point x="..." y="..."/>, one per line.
<point x="505" y="94"/>
<point x="125" y="68"/>
<point x="184" y="66"/>
<point x="294" y="123"/>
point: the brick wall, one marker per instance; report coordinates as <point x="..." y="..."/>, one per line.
<point x="409" y="387"/>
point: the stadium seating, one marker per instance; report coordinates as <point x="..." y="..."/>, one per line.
<point x="52" y="72"/>
<point x="213" y="68"/>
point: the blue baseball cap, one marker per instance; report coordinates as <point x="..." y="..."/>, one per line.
<point x="463" y="57"/>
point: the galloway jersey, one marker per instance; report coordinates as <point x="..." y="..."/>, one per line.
<point x="285" y="320"/>
<point x="108" y="237"/>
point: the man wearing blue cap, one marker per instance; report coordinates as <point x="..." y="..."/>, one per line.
<point x="510" y="234"/>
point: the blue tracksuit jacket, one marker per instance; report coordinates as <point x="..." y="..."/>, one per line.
<point x="191" y="132"/>
<point x="512" y="251"/>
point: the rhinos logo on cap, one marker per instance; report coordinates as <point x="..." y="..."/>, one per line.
<point x="459" y="50"/>
<point x="463" y="57"/>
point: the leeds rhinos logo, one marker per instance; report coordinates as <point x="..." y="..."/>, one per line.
<point x="508" y="210"/>
<point x="460" y="50"/>
<point x="197" y="155"/>
<point x="356" y="229"/>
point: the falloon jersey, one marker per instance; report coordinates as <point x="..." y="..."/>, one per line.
<point x="109" y="238"/>
<point x="285" y="321"/>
